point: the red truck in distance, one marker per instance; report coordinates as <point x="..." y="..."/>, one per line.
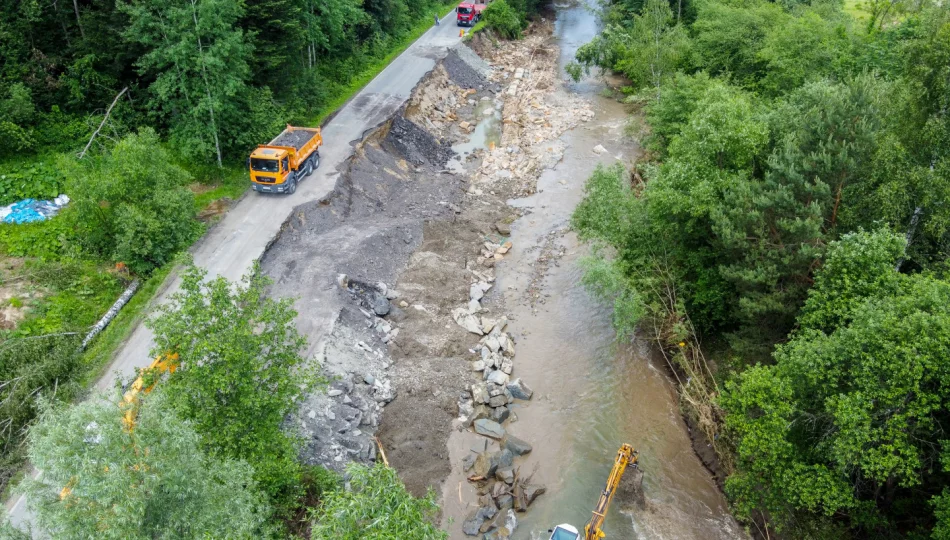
<point x="469" y="13"/>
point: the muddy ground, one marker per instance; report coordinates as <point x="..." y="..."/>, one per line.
<point x="379" y="265"/>
<point x="396" y="211"/>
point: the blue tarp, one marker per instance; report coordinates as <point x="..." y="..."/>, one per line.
<point x="31" y="210"/>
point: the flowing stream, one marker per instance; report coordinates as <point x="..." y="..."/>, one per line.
<point x="592" y="393"/>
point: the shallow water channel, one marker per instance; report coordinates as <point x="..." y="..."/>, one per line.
<point x="591" y="393"/>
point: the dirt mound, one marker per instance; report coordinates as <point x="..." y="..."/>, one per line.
<point x="416" y="145"/>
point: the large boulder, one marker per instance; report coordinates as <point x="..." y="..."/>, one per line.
<point x="498" y="377"/>
<point x="520" y="390"/>
<point x="476" y="519"/>
<point x="517" y="446"/>
<point x="480" y="393"/>
<point x="485" y="466"/>
<point x="489" y="428"/>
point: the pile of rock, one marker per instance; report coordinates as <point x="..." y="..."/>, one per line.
<point x="502" y="490"/>
<point x="339" y="425"/>
<point x="487" y="407"/>
<point x="533" y="116"/>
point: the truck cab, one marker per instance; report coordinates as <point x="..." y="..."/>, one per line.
<point x="469" y="13"/>
<point x="564" y="532"/>
<point x="270" y="170"/>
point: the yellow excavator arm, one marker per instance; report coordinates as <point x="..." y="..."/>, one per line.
<point x="143" y="384"/>
<point x="626" y="456"/>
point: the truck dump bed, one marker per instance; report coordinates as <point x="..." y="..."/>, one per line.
<point x="295" y="138"/>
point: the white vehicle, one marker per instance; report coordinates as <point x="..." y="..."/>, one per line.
<point x="565" y="532"/>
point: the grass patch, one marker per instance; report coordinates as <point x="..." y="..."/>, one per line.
<point x="231" y="182"/>
<point x="479" y="26"/>
<point x="103" y="348"/>
<point x="856" y="9"/>
<point x="374" y="69"/>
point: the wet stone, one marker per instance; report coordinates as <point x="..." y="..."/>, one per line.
<point x="489" y="428"/>
<point x="517" y="446"/>
<point x="520" y="390"/>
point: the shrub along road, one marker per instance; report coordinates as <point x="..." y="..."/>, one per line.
<point x="240" y="238"/>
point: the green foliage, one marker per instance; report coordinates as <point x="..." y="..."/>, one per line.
<point x="729" y="38"/>
<point x="17" y="105"/>
<point x="154" y="482"/>
<point x="43" y="239"/>
<point x="198" y="59"/>
<point x="233" y="342"/>
<point x="850" y="417"/>
<point x="35" y="365"/>
<point x="856" y="267"/>
<point x="668" y="116"/>
<point x="800" y="134"/>
<point x="803" y="49"/>
<point x="132" y="205"/>
<point x="38" y="179"/>
<point x="503" y="19"/>
<point x="647" y="51"/>
<point x="376" y="506"/>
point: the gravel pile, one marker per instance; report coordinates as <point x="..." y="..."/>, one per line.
<point x="462" y="73"/>
<point x="416" y="144"/>
<point x="470" y="57"/>
<point x="295" y="139"/>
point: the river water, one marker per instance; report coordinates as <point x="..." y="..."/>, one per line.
<point x="592" y="393"/>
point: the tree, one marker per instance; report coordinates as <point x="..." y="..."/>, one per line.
<point x="502" y="18"/>
<point x="648" y="51"/>
<point x="376" y="506"/>
<point x="241" y="373"/>
<point x="330" y="25"/>
<point x="131" y="205"/>
<point x="152" y="482"/>
<point x="805" y="48"/>
<point x="728" y="39"/>
<point x="198" y="57"/>
<point x="848" y="421"/>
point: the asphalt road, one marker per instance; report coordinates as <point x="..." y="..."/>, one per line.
<point x="240" y="238"/>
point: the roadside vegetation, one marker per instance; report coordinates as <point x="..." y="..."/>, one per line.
<point x="142" y="112"/>
<point x="507" y="18"/>
<point x="785" y="241"/>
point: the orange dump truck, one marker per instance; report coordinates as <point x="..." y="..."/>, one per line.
<point x="278" y="166"/>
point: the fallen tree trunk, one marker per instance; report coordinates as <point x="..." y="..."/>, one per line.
<point x="113" y="311"/>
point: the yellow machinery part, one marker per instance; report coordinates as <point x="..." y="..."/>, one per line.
<point x="625" y="456"/>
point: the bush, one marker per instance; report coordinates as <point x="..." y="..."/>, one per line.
<point x="233" y="341"/>
<point x="34" y="179"/>
<point x="32" y="366"/>
<point x="502" y="18"/>
<point x="132" y="205"/>
<point x="153" y="482"/>
<point x="376" y="507"/>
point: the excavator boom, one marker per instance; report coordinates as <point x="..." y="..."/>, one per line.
<point x="626" y="456"/>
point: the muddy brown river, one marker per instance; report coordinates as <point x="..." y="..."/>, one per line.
<point x="592" y="393"/>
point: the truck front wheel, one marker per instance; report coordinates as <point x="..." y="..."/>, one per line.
<point x="292" y="188"/>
